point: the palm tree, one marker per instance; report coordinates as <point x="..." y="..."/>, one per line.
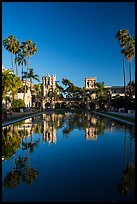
<point x="12" y="45"/>
<point x="129" y="53"/>
<point x="31" y="76"/>
<point x="37" y="92"/>
<point x="127" y="183"/>
<point x="100" y="90"/>
<point x="29" y="48"/>
<point x="12" y="179"/>
<point x="21" y="61"/>
<point x="122" y="36"/>
<point x="101" y="94"/>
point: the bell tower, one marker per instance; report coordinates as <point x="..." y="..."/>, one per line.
<point x="90" y="82"/>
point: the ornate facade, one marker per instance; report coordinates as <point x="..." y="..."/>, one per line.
<point x="90" y="82"/>
<point x="48" y="85"/>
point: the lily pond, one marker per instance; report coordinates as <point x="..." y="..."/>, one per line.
<point x="68" y="157"/>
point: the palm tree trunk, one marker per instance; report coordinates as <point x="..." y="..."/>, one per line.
<point x="31" y="89"/>
<point x="30" y="84"/>
<point x="22" y="72"/>
<point x="130" y="74"/>
<point x="16" y="69"/>
<point x="12" y="164"/>
<point x="16" y="66"/>
<point x="26" y="78"/>
<point x="12" y="62"/>
<point x="125" y="148"/>
<point x="131" y="149"/>
<point x="13" y="95"/>
<point x="124" y="73"/>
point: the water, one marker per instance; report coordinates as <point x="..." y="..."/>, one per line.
<point x="69" y="157"/>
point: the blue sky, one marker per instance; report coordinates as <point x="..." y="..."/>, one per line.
<point x="74" y="40"/>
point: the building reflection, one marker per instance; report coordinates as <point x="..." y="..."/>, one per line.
<point x="91" y="133"/>
<point x="27" y="126"/>
<point x="91" y="130"/>
<point x="50" y="124"/>
<point x="21" y="135"/>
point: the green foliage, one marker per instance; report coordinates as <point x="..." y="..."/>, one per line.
<point x="127" y="44"/>
<point x="18" y="103"/>
<point x="12" y="179"/>
<point x="122" y="36"/>
<point x="118" y="102"/>
<point x="13" y="46"/>
<point x="10" y="84"/>
<point x="123" y="102"/>
<point x="10" y="142"/>
<point x="73" y="91"/>
<point x="22" y="89"/>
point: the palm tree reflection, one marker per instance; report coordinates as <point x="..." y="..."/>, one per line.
<point x="21" y="170"/>
<point x="12" y="179"/>
<point x="127" y="183"/>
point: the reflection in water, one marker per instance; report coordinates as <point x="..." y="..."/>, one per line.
<point x="12" y="137"/>
<point x="10" y="142"/>
<point x="49" y="128"/>
<point x="127" y="183"/>
<point x="20" y="140"/>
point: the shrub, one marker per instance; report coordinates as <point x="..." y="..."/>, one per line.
<point x="17" y="104"/>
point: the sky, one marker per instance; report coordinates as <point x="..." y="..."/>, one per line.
<point x="75" y="40"/>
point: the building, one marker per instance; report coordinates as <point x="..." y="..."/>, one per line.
<point x="28" y="96"/>
<point x="116" y="90"/>
<point x="48" y="85"/>
<point x="90" y="82"/>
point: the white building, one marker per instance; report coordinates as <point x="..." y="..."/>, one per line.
<point x="28" y="96"/>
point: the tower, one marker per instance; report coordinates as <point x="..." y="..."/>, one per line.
<point x="48" y="84"/>
<point x="90" y="82"/>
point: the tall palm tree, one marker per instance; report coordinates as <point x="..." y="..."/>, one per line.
<point x="122" y="36"/>
<point x="20" y="59"/>
<point x="129" y="53"/>
<point x="29" y="48"/>
<point x="12" y="45"/>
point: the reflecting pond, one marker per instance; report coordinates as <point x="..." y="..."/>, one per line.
<point x="68" y="157"/>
